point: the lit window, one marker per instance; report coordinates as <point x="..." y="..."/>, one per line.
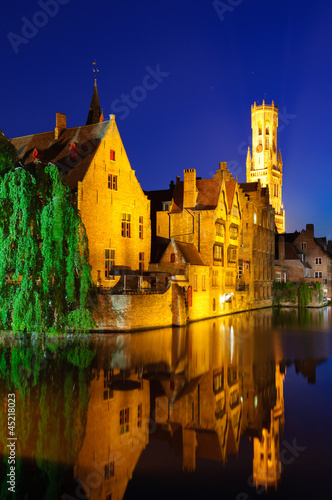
<point x="126" y="226"/>
<point x="124" y="421"/>
<point x="278" y="277"/>
<point x="112" y="155"/>
<point x="109" y="263"/>
<point x="218" y="253"/>
<point x="255" y="218"/>
<point x="140" y="228"/>
<point x="219" y="229"/>
<point x="233" y="232"/>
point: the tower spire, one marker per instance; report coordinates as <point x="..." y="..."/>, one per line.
<point x="95" y="114"/>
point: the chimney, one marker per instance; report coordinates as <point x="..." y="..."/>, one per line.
<point x="189" y="188"/>
<point x="310" y="230"/>
<point x="60" y="124"/>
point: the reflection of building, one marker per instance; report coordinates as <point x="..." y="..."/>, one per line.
<point x="116" y="433"/>
<point x="267" y="464"/>
<point x="264" y="164"/>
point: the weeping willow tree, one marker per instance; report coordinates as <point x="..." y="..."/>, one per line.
<point x="45" y="277"/>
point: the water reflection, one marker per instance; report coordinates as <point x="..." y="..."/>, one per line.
<point x="86" y="409"/>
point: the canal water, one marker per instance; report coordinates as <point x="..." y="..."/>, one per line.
<point x="238" y="408"/>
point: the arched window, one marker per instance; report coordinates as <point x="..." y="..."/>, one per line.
<point x="172" y="257"/>
<point x="267" y="129"/>
<point x="259" y="128"/>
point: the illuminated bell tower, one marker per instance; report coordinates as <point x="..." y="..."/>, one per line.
<point x="264" y="163"/>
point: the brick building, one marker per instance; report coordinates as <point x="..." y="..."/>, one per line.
<point x="112" y="204"/>
<point x="257" y="251"/>
<point x="302" y="257"/>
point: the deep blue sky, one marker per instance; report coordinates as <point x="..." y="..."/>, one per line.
<point x="217" y="63"/>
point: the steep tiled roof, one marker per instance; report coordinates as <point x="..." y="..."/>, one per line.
<point x="208" y="194"/>
<point x="248" y="187"/>
<point x="230" y="188"/>
<point x="86" y="140"/>
<point x="291" y="254"/>
<point x="190" y="253"/>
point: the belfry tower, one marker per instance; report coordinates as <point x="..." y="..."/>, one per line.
<point x="264" y="163"/>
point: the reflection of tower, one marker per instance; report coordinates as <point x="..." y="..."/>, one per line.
<point x="265" y="164"/>
<point x="267" y="464"/>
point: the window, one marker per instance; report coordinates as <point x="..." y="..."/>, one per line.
<point x="303" y="246"/>
<point x="166" y="205"/>
<point x="109" y="470"/>
<point x="126" y="226"/>
<point x="220" y="229"/>
<point x="139" y="415"/>
<point x="141" y="262"/>
<point x="231" y="254"/>
<point x="318" y="274"/>
<point x="278" y="277"/>
<point x="124" y="421"/>
<point x="259" y="128"/>
<point x="267" y="144"/>
<point x="109" y="263"/>
<point x="215" y="275"/>
<point x="203" y="283"/>
<point x="233" y="232"/>
<point x="213" y="305"/>
<point x="108" y="392"/>
<point x="112" y="182"/>
<point x="218" y="253"/>
<point x="172" y="257"/>
<point x="318" y="260"/>
<point x="112" y="155"/>
<point x="195" y="283"/>
<point x="235" y="212"/>
<point x="218" y="382"/>
<point x="255" y="218"/>
<point x="140" y="227"/>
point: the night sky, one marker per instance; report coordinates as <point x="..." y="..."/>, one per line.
<point x="192" y="69"/>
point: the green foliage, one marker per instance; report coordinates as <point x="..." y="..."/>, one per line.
<point x="318" y="287"/>
<point x="304" y="294"/>
<point x="44" y="261"/>
<point x="284" y="292"/>
<point x="8" y="154"/>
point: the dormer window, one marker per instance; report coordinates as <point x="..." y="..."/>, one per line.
<point x="112" y="155"/>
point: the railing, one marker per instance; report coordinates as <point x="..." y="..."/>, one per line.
<point x="133" y="291"/>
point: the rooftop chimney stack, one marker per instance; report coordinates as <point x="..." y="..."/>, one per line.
<point x="189" y="188"/>
<point x="60" y="124"/>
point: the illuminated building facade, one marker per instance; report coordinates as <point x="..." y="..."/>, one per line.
<point x="264" y="163"/>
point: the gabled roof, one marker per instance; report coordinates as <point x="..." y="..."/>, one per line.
<point x="230" y="189"/>
<point x="291" y="254"/>
<point x="248" y="187"/>
<point x="190" y="253"/>
<point x="57" y="151"/>
<point x="208" y="194"/>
